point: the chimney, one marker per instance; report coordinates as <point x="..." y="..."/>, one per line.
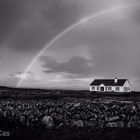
<point x="115" y="80"/>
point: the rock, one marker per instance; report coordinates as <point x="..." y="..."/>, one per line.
<point x="133" y="108"/>
<point x="48" y="121"/>
<point x="129" y="123"/>
<point x="76" y="116"/>
<point x="78" y="123"/>
<point x="76" y="105"/>
<point x="22" y="119"/>
<point x="27" y="122"/>
<point x="57" y="117"/>
<point x="60" y="125"/>
<point x="115" y="124"/>
<point x="111" y="119"/>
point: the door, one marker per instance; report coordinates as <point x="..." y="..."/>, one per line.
<point x="101" y="88"/>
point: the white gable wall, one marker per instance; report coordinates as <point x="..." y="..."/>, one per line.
<point x="127" y="84"/>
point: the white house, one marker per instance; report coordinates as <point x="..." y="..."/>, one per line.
<point x="110" y="85"/>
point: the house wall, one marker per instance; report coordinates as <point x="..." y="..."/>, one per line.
<point x="114" y="89"/>
<point x="121" y="88"/>
<point x="95" y="88"/>
<point x="90" y="88"/>
<point x="127" y="84"/>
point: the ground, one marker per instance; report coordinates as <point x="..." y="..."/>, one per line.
<point x="68" y="114"/>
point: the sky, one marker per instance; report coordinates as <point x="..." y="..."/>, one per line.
<point x="107" y="46"/>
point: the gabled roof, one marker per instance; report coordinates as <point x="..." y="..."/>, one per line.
<point x="109" y="82"/>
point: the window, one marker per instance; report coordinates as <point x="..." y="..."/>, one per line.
<point x="109" y="88"/>
<point x="105" y="88"/>
<point x="126" y="89"/>
<point x="97" y="88"/>
<point x="117" y="88"/>
<point x="93" y="88"/>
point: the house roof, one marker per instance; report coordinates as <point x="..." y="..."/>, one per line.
<point x="109" y="82"/>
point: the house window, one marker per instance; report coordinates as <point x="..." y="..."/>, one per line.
<point x="93" y="88"/>
<point x="97" y="88"/>
<point x="117" y="88"/>
<point x="109" y="88"/>
<point x="126" y="89"/>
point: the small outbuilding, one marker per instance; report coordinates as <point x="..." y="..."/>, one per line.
<point x="110" y="85"/>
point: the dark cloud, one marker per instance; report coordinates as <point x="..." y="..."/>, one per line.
<point x="28" y="25"/>
<point x="9" y="15"/>
<point x="75" y="65"/>
<point x="41" y="21"/>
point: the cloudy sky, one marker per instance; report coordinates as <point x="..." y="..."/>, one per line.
<point x="107" y="46"/>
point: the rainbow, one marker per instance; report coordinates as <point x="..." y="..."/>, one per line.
<point x="94" y="16"/>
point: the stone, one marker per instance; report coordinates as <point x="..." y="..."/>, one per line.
<point x="111" y="119"/>
<point x="48" y="121"/>
<point x="115" y="124"/>
<point x="78" y="123"/>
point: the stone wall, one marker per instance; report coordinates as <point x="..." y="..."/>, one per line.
<point x="71" y="113"/>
